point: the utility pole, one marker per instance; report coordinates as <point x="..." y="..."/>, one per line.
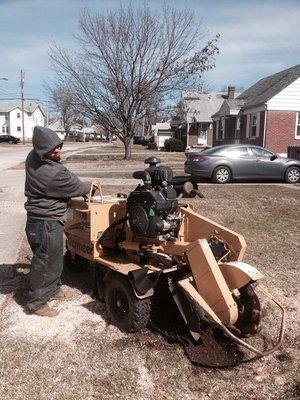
<point x="22" y="100"/>
<point x="47" y="113"/>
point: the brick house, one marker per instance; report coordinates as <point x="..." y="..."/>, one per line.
<point x="267" y="114"/>
<point x="197" y="109"/>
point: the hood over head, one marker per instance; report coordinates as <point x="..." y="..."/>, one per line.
<point x="44" y="140"/>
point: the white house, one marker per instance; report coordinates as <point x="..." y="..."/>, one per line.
<point x="162" y="131"/>
<point x="11" y="118"/>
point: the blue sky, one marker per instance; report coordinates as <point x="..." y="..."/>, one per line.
<point x="258" y="38"/>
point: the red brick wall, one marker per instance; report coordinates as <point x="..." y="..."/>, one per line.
<point x="280" y="131"/>
<point x="193" y="134"/>
<point x="214" y="133"/>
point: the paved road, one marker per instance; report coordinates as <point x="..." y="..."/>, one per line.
<point x="12" y="213"/>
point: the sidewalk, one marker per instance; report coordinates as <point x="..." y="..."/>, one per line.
<point x="12" y="212"/>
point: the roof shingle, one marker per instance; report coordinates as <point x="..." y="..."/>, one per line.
<point x="266" y="88"/>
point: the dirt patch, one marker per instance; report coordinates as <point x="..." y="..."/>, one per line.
<point x="79" y="355"/>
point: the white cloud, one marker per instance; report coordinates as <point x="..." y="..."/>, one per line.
<point x="258" y="38"/>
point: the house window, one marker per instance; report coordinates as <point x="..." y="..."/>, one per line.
<point x="3" y="129"/>
<point x="18" y="115"/>
<point x="18" y="128"/>
<point x="253" y="125"/>
<point x="6" y="116"/>
<point x="221" y="129"/>
<point x="298" y="126"/>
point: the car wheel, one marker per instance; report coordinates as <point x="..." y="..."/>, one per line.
<point x="123" y="308"/>
<point x="10" y="142"/>
<point x="292" y="175"/>
<point x="221" y="175"/>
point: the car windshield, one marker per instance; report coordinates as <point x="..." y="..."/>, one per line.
<point x="259" y="152"/>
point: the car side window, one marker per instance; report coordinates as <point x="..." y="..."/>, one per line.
<point x="257" y="152"/>
<point x="238" y="152"/>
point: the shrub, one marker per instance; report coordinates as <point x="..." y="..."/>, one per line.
<point x="174" y="145"/>
<point x="152" y="146"/>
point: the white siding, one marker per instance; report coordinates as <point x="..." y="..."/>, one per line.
<point x="30" y="121"/>
<point x="4" y="124"/>
<point x="15" y="122"/>
<point x="286" y="100"/>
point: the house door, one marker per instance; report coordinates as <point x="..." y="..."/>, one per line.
<point x="202" y="134"/>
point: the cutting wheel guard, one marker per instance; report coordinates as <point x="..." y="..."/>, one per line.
<point x="281" y="332"/>
<point x="196" y="297"/>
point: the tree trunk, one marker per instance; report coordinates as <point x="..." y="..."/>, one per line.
<point x="127" y="144"/>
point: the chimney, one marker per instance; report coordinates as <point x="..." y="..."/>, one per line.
<point x="231" y="90"/>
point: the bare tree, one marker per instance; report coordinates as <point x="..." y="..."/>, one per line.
<point x="63" y="103"/>
<point x="129" y="60"/>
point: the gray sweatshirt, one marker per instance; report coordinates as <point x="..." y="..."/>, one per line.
<point x="49" y="185"/>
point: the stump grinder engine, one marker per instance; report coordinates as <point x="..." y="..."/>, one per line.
<point x="153" y="236"/>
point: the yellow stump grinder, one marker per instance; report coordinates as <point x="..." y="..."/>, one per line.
<point x="152" y="235"/>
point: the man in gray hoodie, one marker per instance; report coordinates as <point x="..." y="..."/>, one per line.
<point x="48" y="187"/>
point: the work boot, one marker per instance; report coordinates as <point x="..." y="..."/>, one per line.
<point x="63" y="294"/>
<point x="46" y="311"/>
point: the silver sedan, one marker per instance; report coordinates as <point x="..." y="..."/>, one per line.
<point x="236" y="162"/>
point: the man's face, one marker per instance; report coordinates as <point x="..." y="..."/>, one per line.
<point x="54" y="154"/>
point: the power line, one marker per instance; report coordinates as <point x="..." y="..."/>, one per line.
<point x="10" y="98"/>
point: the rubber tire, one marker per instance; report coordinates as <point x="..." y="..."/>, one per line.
<point x="100" y="284"/>
<point x="286" y="179"/>
<point x="78" y="265"/>
<point x="10" y="142"/>
<point x="214" y="175"/>
<point x="136" y="312"/>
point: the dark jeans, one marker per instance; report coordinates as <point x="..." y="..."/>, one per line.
<point x="45" y="237"/>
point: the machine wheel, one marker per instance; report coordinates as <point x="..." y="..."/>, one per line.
<point x="123" y="308"/>
<point x="249" y="312"/>
<point x="100" y="284"/>
<point x="10" y="142"/>
<point x="77" y="264"/>
<point x="292" y="175"/>
<point x="221" y="175"/>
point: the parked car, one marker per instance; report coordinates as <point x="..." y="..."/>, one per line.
<point x="82" y="137"/>
<point x="9" y="139"/>
<point x="140" y="140"/>
<point x="236" y="162"/>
